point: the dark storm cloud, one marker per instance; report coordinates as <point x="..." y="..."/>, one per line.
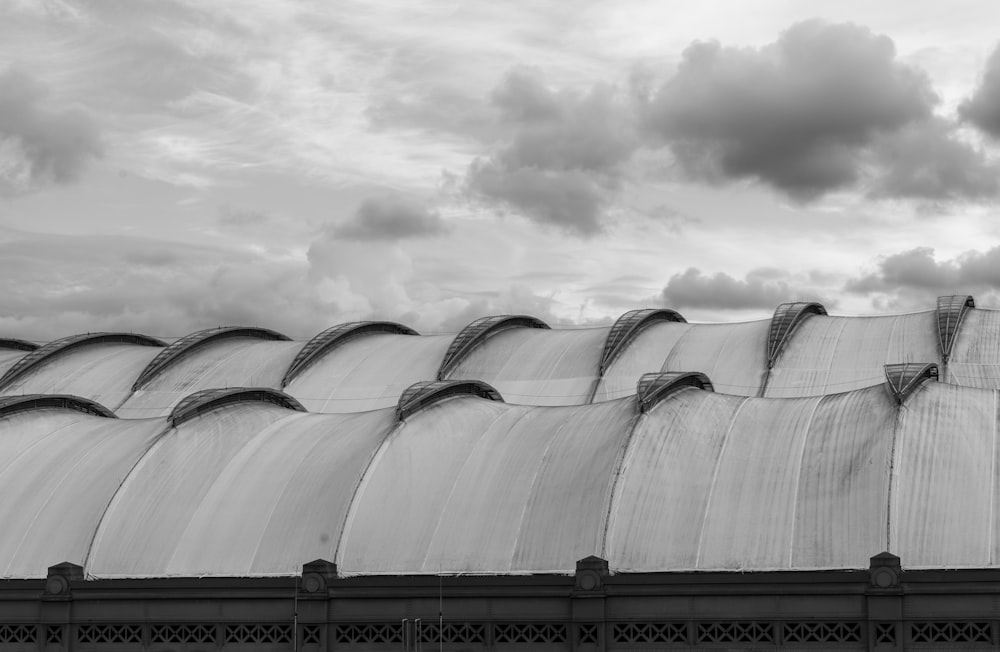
<point x="761" y="289"/>
<point x="983" y="108"/>
<point x="391" y="218"/>
<point x="562" y="161"/>
<point x="40" y="144"/>
<point x="916" y="269"/>
<point x="796" y="114"/>
<point x="926" y="160"/>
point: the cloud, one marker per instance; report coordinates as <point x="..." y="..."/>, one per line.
<point x="40" y="145"/>
<point x="391" y="218"/>
<point x="241" y="217"/>
<point x="763" y="288"/>
<point x="151" y="286"/>
<point x="562" y="161"/>
<point x="796" y="114"/>
<point x="917" y="269"/>
<point x="927" y="160"/>
<point x="983" y="108"/>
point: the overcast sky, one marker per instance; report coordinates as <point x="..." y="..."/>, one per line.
<point x="170" y="165"/>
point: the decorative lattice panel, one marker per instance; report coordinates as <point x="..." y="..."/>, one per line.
<point x="822" y="633"/>
<point x="588" y="634"/>
<point x="945" y="632"/>
<point x="649" y="633"/>
<point x="885" y="634"/>
<point x="197" y="633"/>
<point x="310" y="635"/>
<point x="109" y="634"/>
<point x="258" y="633"/>
<point x="54" y="634"/>
<point x="735" y="632"/>
<point x="453" y="633"/>
<point x="17" y="633"/>
<point x="529" y="633"/>
<point x="369" y="633"/>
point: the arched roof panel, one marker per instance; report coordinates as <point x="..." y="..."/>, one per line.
<point x="144" y="525"/>
<point x="904" y="379"/>
<point x="502" y="488"/>
<point x="9" y="357"/>
<point x="207" y="400"/>
<point x="478" y="332"/>
<point x="189" y="343"/>
<point x="732" y="355"/>
<point x="786" y="319"/>
<point x="226" y="362"/>
<point x="951" y="311"/>
<point x="975" y="354"/>
<point x="25" y="402"/>
<point x="645" y="354"/>
<point x="655" y="387"/>
<point x="782" y="473"/>
<point x="14" y="344"/>
<point x="102" y="372"/>
<point x="58" y="471"/>
<point x="368" y="373"/>
<point x="422" y="395"/>
<point x="945" y="479"/>
<point x="627" y="327"/>
<point x="533" y="366"/>
<point x="336" y="336"/>
<point x="829" y="355"/>
<point x="48" y="352"/>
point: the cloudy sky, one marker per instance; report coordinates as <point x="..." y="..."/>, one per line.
<point x="170" y="165"/>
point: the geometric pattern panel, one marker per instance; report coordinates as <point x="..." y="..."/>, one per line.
<point x="885" y="634"/>
<point x="529" y="633"/>
<point x="311" y="635"/>
<point x="17" y="633"/>
<point x="369" y="633"/>
<point x="258" y="633"/>
<point x="197" y="633"/>
<point x="588" y="634"/>
<point x="735" y="632"/>
<point x="649" y="633"/>
<point x="109" y="634"/>
<point x="54" y="634"/>
<point x="821" y="633"/>
<point x="950" y="632"/>
<point x="453" y="633"/>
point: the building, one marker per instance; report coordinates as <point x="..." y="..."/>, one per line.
<point x="803" y="482"/>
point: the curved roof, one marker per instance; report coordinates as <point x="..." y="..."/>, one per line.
<point x="786" y="319"/>
<point x="16" y="344"/>
<point x="628" y="326"/>
<point x="477" y="332"/>
<point x="656" y="387"/>
<point x="368" y="373"/>
<point x="704" y="481"/>
<point x="12" y="404"/>
<point x="951" y="310"/>
<point x="211" y="399"/>
<point x="850" y="452"/>
<point x="831" y="354"/>
<point x="61" y="346"/>
<point x="189" y="343"/>
<point x="333" y="337"/>
<point x="904" y="378"/>
<point x="426" y="393"/>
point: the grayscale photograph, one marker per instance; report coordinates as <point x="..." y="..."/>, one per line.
<point x="470" y="326"/>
